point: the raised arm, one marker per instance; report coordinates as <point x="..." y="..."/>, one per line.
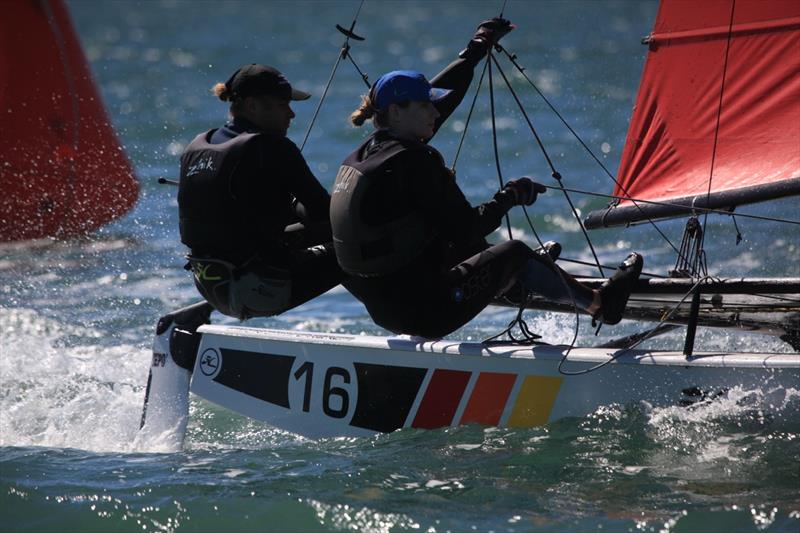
<point x="457" y="76"/>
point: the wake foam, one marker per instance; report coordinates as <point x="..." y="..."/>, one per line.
<point x="55" y="392"/>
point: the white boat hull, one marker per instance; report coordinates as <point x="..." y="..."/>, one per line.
<point x="322" y="385"/>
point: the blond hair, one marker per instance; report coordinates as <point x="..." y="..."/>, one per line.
<point x="366" y="111"/>
<point x="221" y="91"/>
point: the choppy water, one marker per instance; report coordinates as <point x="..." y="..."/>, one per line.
<point x="77" y="318"/>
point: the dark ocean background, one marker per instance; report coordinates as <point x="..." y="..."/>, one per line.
<point x="77" y="318"/>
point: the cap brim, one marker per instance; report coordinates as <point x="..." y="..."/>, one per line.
<point x="300" y="95"/>
<point x="438" y="94"/>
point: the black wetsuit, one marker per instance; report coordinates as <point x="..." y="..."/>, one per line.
<point x="428" y="269"/>
<point x="264" y="213"/>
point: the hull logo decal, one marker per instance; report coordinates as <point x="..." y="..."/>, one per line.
<point x="209" y="362"/>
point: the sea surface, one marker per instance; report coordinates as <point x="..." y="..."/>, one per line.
<point x="77" y="318"/>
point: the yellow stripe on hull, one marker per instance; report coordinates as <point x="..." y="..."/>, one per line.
<point x="534" y="401"/>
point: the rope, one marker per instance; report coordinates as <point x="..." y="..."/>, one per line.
<point x="360" y="72"/>
<point x="556" y="175"/>
<point x="691" y="260"/>
<point x="469" y="117"/>
<point x="528" y="336"/>
<point x="344" y="52"/>
<point x="494" y="136"/>
<point x="513" y="59"/>
<point x="564" y="283"/>
<point x="503" y="9"/>
<point x="736" y="227"/>
<point x="719" y="118"/>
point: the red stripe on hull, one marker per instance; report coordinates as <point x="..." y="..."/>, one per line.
<point x="441" y="399"/>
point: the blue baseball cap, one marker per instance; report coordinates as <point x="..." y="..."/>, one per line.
<point x="404" y="86"/>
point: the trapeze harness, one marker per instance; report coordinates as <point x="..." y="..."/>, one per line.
<point x="211" y="222"/>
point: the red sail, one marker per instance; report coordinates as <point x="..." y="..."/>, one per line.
<point x="62" y="169"/>
<point x="710" y="132"/>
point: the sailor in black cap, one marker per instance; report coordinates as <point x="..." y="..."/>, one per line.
<point x="252" y="213"/>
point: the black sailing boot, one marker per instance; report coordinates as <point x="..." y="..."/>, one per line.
<point x="551" y="249"/>
<point x="615" y="292"/>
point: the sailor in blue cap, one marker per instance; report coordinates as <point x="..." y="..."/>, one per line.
<point x="414" y="248"/>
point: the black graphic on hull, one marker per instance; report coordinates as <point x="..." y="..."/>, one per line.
<point x="385" y="395"/>
<point x="262" y="376"/>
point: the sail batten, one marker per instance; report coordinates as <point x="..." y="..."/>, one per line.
<point x="721" y="84"/>
<point x="722" y="32"/>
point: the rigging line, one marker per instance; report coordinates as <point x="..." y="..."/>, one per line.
<point x="494" y="135"/>
<point x="719" y="118"/>
<point x="469" y="117"/>
<point x="687" y="208"/>
<point x="322" y="99"/>
<point x="553" y="170"/>
<point x="521" y="69"/>
<point x="344" y="52"/>
<point x="474" y="100"/>
<point x="736" y="227"/>
<point x="518" y="319"/>
<point x="566" y="286"/>
<point x="360" y="72"/>
<point x="523" y="325"/>
<point x="503" y="9"/>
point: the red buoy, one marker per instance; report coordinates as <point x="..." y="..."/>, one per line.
<point x="63" y="171"/>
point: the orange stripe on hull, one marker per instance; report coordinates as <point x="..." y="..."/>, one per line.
<point x="488" y="398"/>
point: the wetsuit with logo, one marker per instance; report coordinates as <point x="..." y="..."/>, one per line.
<point x="413" y="246"/>
<point x="248" y="199"/>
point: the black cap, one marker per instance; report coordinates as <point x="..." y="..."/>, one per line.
<point x="255" y="80"/>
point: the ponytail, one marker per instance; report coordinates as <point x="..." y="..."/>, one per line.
<point x="367" y="110"/>
<point x="221" y="91"/>
<point x="364" y="112"/>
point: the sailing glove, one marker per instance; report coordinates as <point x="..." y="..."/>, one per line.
<point x="524" y="190"/>
<point x="488" y="34"/>
<point x="493" y="30"/>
